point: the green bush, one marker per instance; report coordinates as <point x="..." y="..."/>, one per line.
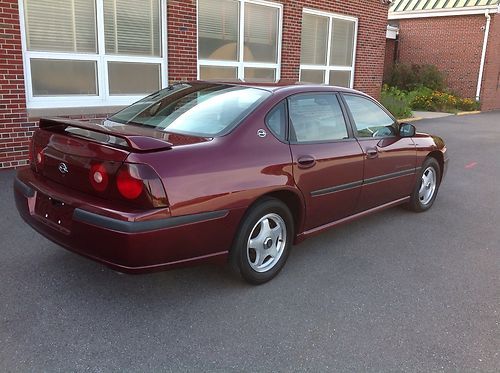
<point x="410" y="77"/>
<point x="401" y="103"/>
<point x="441" y="101"/>
<point x="396" y="101"/>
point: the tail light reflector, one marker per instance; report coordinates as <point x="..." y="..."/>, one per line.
<point x="99" y="177"/>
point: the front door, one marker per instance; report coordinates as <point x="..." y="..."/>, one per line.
<point x="327" y="160"/>
<point x="390" y="160"/>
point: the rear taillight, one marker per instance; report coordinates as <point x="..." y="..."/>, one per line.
<point x="139" y="183"/>
<point x="37" y="156"/>
<point x="128" y="186"/>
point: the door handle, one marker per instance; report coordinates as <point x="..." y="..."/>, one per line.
<point x="306" y="161"/>
<point x="371" y="153"/>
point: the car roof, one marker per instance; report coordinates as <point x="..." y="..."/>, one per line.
<point x="284" y="85"/>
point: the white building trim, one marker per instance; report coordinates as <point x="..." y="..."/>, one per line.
<point x="444" y="12"/>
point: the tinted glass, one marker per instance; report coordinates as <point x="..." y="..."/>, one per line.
<point x="340" y="78"/>
<point x="218" y="73"/>
<point x="370" y="119"/>
<point x="276" y="121"/>
<point x="312" y="76"/>
<point x="316" y="117"/>
<point x="63" y="77"/>
<point x="127" y="78"/>
<point x="201" y="109"/>
<point x="257" y="74"/>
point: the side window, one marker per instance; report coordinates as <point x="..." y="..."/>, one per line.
<point x="276" y="121"/>
<point x="316" y="117"/>
<point x="370" y="119"/>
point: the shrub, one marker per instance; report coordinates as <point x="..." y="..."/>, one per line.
<point x="412" y="77"/>
<point x="468" y="104"/>
<point x="441" y="101"/>
<point x="396" y="101"/>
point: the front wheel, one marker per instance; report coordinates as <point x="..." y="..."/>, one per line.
<point x="263" y="241"/>
<point x="426" y="187"/>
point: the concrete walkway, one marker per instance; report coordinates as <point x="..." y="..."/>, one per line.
<point x="429" y="114"/>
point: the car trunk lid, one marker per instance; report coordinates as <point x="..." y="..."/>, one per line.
<point x="73" y="150"/>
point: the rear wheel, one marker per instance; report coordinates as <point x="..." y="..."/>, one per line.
<point x="426" y="187"/>
<point x="263" y="241"/>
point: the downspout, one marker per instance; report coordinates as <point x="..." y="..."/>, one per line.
<point x="483" y="55"/>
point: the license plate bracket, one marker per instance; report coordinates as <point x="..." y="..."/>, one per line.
<point x="53" y="212"/>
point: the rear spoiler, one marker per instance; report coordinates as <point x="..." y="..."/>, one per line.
<point x="135" y="142"/>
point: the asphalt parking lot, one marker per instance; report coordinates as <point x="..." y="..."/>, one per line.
<point x="396" y="291"/>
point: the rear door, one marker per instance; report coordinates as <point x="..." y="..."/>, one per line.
<point x="327" y="160"/>
<point x="389" y="160"/>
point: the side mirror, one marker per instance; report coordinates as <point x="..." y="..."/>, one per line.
<point x="407" y="130"/>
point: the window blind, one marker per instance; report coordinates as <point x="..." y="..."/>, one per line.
<point x="61" y="25"/>
<point x="219" y="19"/>
<point x="261" y="33"/>
<point x="342" y="43"/>
<point x="132" y="27"/>
<point x="314" y="39"/>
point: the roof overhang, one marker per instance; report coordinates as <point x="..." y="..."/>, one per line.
<point x="466" y="11"/>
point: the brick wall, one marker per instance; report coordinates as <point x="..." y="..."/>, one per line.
<point x="16" y="128"/>
<point x="490" y="92"/>
<point x="390" y="57"/>
<point x="453" y="44"/>
<point x="182" y="40"/>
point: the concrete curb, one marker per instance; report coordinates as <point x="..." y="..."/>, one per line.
<point x="407" y="120"/>
<point x="468" y="112"/>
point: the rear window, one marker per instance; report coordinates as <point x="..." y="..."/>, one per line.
<point x="200" y="109"/>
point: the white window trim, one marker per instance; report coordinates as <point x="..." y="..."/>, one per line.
<point x="240" y="64"/>
<point x="327" y="68"/>
<point x="103" y="98"/>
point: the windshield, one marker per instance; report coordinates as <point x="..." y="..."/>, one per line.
<point x="200" y="109"/>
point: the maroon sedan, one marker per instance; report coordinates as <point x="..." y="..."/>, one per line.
<point x="203" y="171"/>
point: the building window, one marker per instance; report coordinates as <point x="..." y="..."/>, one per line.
<point x="92" y="52"/>
<point x="328" y="48"/>
<point x="239" y="39"/>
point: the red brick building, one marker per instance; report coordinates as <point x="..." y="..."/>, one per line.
<point x="460" y="37"/>
<point x="87" y="58"/>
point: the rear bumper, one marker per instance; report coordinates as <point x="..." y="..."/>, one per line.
<point x="125" y="241"/>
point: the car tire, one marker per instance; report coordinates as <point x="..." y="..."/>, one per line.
<point x="426" y="186"/>
<point x="263" y="241"/>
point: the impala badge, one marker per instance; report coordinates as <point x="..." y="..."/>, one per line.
<point x="63" y="168"/>
<point x="261" y="133"/>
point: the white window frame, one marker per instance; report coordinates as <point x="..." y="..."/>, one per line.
<point x="103" y="98"/>
<point x="327" y="68"/>
<point x="240" y="64"/>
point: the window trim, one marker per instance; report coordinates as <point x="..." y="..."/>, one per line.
<point x="240" y="64"/>
<point x="326" y="69"/>
<point x="103" y="98"/>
